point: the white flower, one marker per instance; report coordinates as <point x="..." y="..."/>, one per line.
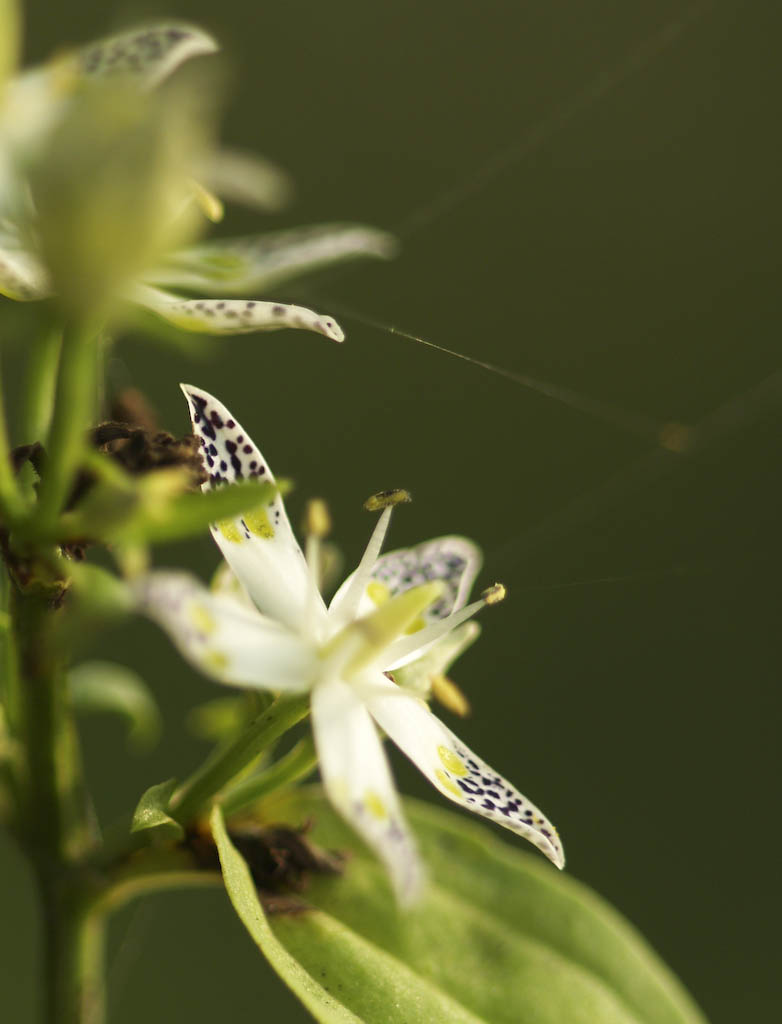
<point x="38" y="110"/>
<point x="273" y="630"/>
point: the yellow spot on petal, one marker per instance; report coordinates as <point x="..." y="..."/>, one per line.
<point x="374" y="804"/>
<point x="378" y="593"/>
<point x="216" y="660"/>
<point x="448" y="784"/>
<point x="202" y="619"/>
<point x="415" y="625"/>
<point x="258" y="523"/>
<point x="452" y="762"/>
<point x="230" y="531"/>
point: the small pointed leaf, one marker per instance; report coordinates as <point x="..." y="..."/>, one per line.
<point x="105" y="686"/>
<point x="152" y="815"/>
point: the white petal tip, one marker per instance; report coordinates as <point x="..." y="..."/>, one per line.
<point x="331" y="329"/>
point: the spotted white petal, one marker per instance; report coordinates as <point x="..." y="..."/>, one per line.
<point x="232" y="316"/>
<point x="455" y="561"/>
<point x="455" y="770"/>
<point x="358" y="782"/>
<point x="260" y="546"/>
<point x="22" y="276"/>
<point x="243" y="265"/>
<point x="148" y="53"/>
<point x="224" y="639"/>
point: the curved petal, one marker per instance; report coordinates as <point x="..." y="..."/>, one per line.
<point x="255" y="263"/>
<point x="222" y="638"/>
<point x="260" y="547"/>
<point x="358" y="782"/>
<point x="147" y="53"/>
<point x="233" y="316"/>
<point x="455" y="770"/>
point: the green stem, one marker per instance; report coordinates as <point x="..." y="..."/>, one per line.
<point x="225" y="763"/>
<point x="75" y="937"/>
<point x="56" y="816"/>
<point x="11" y="504"/>
<point x="41" y="386"/>
<point x="295" y="765"/>
<point x="74" y="412"/>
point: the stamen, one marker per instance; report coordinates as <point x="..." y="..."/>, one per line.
<point x="317" y="524"/>
<point x="449" y="695"/>
<point x="403" y="648"/>
<point x="317" y="520"/>
<point x="387" y="499"/>
<point x="494" y="594"/>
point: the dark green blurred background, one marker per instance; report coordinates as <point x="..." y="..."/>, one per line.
<point x="628" y="252"/>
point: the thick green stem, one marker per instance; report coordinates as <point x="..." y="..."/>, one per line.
<point x="55" y="811"/>
<point x="41" y="386"/>
<point x="294" y="766"/>
<point x="224" y="764"/>
<point x="11" y="503"/>
<point x="75" y="937"/>
<point x="74" y="412"/>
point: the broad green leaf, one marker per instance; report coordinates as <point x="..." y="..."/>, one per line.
<point x="392" y="988"/>
<point x="151" y="813"/>
<point x="500" y="937"/>
<point x="104" y="686"/>
<point x="239" y="266"/>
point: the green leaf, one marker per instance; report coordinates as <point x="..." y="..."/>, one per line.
<point x="105" y="686"/>
<point x="500" y="936"/>
<point x="151" y="813"/>
<point x="190" y="514"/>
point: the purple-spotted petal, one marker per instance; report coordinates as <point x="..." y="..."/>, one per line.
<point x="223" y="638"/>
<point x="259" y="546"/>
<point x="233" y="316"/>
<point x="457" y="772"/>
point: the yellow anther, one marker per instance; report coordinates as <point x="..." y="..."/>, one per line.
<point x="317" y="521"/>
<point x="208" y="203"/>
<point x="495" y="594"/>
<point x="449" y="695"/>
<point x="384" y="499"/>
